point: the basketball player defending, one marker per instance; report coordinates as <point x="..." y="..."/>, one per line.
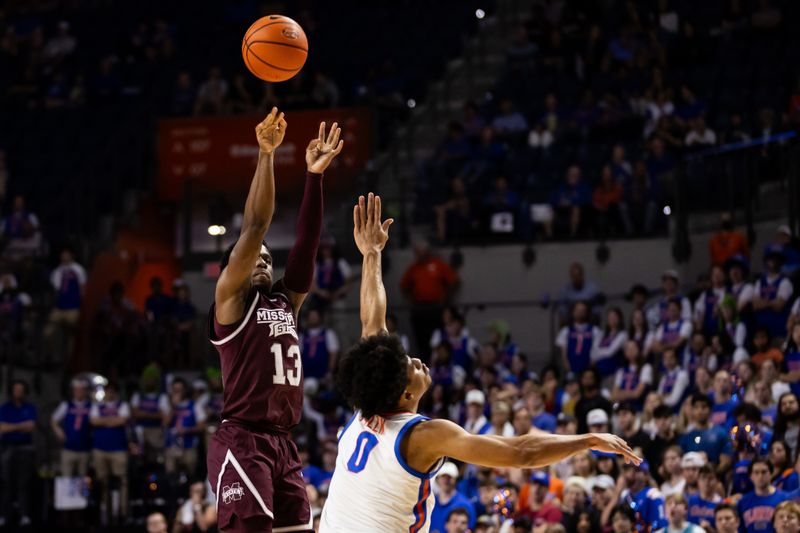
<point x="387" y="452"/>
<point x="253" y="466"/>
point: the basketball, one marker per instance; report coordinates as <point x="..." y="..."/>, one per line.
<point x="274" y="48"/>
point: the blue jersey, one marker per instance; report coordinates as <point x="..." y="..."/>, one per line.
<point x="14" y="414"/>
<point x="648" y="506"/>
<point x="710" y="315"/>
<point x="756" y="511"/>
<point x="151" y="403"/>
<point x="672" y="331"/>
<point x="184" y="415"/>
<point x="713" y="441"/>
<point x="741" y="478"/>
<point x="774" y="321"/>
<point x="722" y="414"/>
<point x="545" y="421"/>
<point x="700" y="509"/>
<point x="440" y="511"/>
<point x="316" y="357"/>
<point x="68" y="289"/>
<point x="580" y="339"/>
<point x="74" y="420"/>
<point x="110" y="439"/>
<point x="608" y="365"/>
<point x="791" y="363"/>
<point x="787" y="481"/>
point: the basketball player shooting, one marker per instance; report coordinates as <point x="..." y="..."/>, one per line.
<point x="253" y="465"/>
<point x="387" y="452"/>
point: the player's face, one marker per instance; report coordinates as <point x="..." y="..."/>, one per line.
<point x="262" y="274"/>
<point x="786" y="522"/>
<point x="727" y="521"/>
<point x="419" y="378"/>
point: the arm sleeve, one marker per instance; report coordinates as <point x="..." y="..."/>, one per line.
<point x="163" y="404"/>
<point x="785" y="290"/>
<point x="55" y="279"/>
<point x="686" y="330"/>
<point x="646" y="374"/>
<point x="94" y="411"/>
<point x="686" y="309"/>
<point x="60" y="412"/>
<point x="561" y="340"/>
<point x="81" y="273"/>
<point x="345" y="269"/>
<point x="199" y="413"/>
<point x="332" y="340"/>
<point x="300" y="264"/>
<point x="125" y="410"/>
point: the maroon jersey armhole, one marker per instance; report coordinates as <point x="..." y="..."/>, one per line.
<point x="223" y="332"/>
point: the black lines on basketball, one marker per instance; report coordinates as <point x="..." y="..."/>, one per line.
<point x="276" y="67"/>
<point x="279" y="43"/>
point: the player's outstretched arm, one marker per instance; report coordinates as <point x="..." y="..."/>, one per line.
<point x="442" y="438"/>
<point x="371" y="235"/>
<point x="234" y="281"/>
<point x="299" y="274"/>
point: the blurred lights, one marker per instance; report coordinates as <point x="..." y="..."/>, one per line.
<point x="411" y="103"/>
<point x="215" y="230"/>
<point x="480" y="13"/>
<point x="667" y="210"/>
<point x="153" y="487"/>
<point x="697" y="440"/>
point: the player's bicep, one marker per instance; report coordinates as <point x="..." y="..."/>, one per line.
<point x="451" y="440"/>
<point x="243" y="258"/>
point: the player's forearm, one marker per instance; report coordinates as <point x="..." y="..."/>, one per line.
<point x="260" y="204"/>
<point x="373" y="295"/>
<point x="542" y="449"/>
<point x="300" y="264"/>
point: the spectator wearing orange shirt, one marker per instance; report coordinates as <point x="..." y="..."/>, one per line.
<point x="606" y="200"/>
<point x="763" y="349"/>
<point x="428" y="283"/>
<point x="727" y="242"/>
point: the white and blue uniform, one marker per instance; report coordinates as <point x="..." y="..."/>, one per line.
<point x="373" y="488"/>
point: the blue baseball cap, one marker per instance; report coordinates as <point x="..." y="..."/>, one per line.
<point x="541" y="477"/>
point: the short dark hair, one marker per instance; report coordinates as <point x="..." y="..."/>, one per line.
<point x="699" y="397"/>
<point x="226" y="255"/>
<point x="457" y="511"/>
<point x="662" y="411"/>
<point x="625" y="510"/>
<point x="726" y="507"/>
<point x="750" y="411"/>
<point x="756" y="461"/>
<point x="707" y="470"/>
<point x="373" y="374"/>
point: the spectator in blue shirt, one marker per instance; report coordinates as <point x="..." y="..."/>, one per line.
<point x="646" y="501"/>
<point x="509" y="121"/>
<point x="186" y="423"/>
<point x="17" y="422"/>
<point x="70" y="422"/>
<point x="724" y="404"/>
<point x="701" y="436"/>
<point x="69" y="282"/>
<point x="757" y="508"/>
<point x="726" y="518"/>
<point x="702" y="504"/>
<point x="448" y="498"/>
<point x="109" y="419"/>
<point x="570" y="203"/>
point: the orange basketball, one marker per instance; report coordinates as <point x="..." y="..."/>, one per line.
<point x="274" y="48"/>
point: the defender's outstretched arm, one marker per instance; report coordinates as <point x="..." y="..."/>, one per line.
<point x="371" y="236"/>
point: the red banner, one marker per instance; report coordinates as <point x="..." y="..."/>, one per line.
<point x="221" y="152"/>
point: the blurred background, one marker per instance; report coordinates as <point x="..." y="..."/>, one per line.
<point x="566" y="175"/>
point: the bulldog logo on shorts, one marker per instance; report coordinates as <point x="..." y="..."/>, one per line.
<point x="232" y="492"/>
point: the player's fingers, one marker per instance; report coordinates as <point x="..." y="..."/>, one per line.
<point x="377" y="219"/>
<point x="362" y="209"/>
<point x="282" y="125"/>
<point x="336" y="132"/>
<point x="370" y="209"/>
<point x="338" y="148"/>
<point x="279" y="119"/>
<point x="331" y="133"/>
<point x="356" y="217"/>
<point x="386" y="223"/>
<point x="321" y="135"/>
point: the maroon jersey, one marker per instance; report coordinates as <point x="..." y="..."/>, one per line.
<point x="262" y="375"/>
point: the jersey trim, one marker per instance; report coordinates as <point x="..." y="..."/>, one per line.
<point x="241" y="325"/>
<point x="352" y="419"/>
<point x="229" y="458"/>
<point x="421" y="507"/>
<point x="302" y="527"/>
<point x="416" y="473"/>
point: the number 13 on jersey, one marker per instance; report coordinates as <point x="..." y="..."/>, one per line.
<point x="290" y="374"/>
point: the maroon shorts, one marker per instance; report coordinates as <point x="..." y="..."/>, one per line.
<point x="257" y="478"/>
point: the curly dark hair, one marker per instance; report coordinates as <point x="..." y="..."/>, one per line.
<point x="373" y="374"/>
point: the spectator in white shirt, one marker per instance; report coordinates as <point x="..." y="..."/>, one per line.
<point x="69" y="282"/>
<point x="657" y="312"/>
<point x="674" y="382"/>
<point x="674" y="332"/>
<point x="475" y="420"/>
<point x="700" y="136"/>
<point x="771" y="294"/>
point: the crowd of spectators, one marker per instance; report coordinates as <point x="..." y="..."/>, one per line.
<point x="584" y="135"/>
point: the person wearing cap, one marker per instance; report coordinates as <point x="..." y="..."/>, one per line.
<point x="448" y="498"/>
<point x="771" y="294"/>
<point x="70" y="423"/>
<point x="646" y="501"/>
<point x="677" y="509"/>
<point x="702" y="436"/>
<point x="597" y="421"/>
<point x="539" y="508"/>
<point x="706" y="307"/>
<point x="691" y="463"/>
<point x="674" y="382"/>
<point x="726" y="242"/>
<point x="674" y="331"/>
<point x="475" y="419"/>
<point x="702" y="504"/>
<point x="758" y="507"/>
<point x="602" y="491"/>
<point x="578" y="340"/>
<point x="657" y="313"/>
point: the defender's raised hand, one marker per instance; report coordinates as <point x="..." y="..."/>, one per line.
<point x="322" y="150"/>
<point x="270" y="131"/>
<point x="609" y="443"/>
<point x="369" y="232"/>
